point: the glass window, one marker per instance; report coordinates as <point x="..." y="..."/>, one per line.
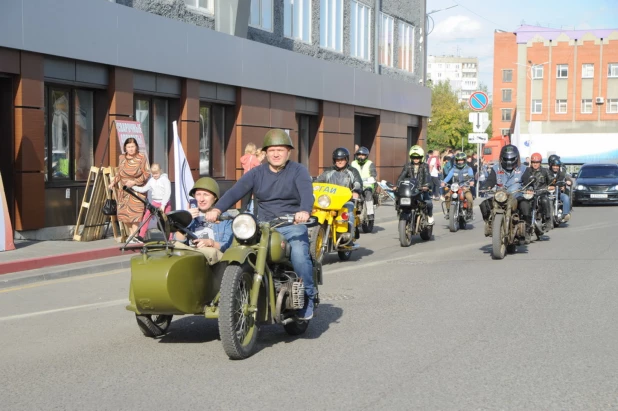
<point x="219" y="132"/>
<point x="360" y="30"/>
<point x="562" y="71"/>
<point x="612" y="70"/>
<point x="506" y="95"/>
<point x="142" y="114"/>
<point x="537" y="106"/>
<point x="331" y="24"/>
<point x="202" y="5"/>
<point x="587" y="70"/>
<point x="297" y="19"/>
<point x="507" y="76"/>
<point x="505" y="131"/>
<point x="586" y="106"/>
<point x="406" y="47"/>
<point x="537" y="72"/>
<point x="612" y="105"/>
<point x="506" y="114"/>
<point x="69" y="133"/>
<point x="84" y="133"/>
<point x="159" y="132"/>
<point x="561" y="106"/>
<point x="262" y="14"/>
<point x="204" y="140"/>
<point x="386" y="40"/>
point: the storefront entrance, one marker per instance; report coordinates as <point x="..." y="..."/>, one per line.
<point x="6" y="142"/>
<point x="365" y="129"/>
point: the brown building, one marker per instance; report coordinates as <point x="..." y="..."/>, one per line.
<point x="562" y="87"/>
<point x="224" y="86"/>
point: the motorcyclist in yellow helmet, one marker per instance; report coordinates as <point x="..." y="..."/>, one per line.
<point x="419" y="170"/>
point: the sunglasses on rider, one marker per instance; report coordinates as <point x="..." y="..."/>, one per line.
<point x="536" y="162"/>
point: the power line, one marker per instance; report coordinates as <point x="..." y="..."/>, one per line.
<point x="474" y="12"/>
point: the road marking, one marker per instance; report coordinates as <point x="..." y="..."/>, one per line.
<point x="62" y="280"/>
<point x="59" y="310"/>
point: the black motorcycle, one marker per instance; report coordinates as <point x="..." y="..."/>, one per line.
<point x="538" y="227"/>
<point x="412" y="212"/>
<point x="558" y="206"/>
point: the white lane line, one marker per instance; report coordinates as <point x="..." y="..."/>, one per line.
<point x="63" y="280"/>
<point x="59" y="310"/>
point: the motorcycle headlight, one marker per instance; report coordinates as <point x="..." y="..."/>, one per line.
<point x="581" y="187"/>
<point x="501" y="196"/>
<point x="454" y="187"/>
<point x="324" y="201"/>
<point x="405" y="201"/>
<point x="528" y="196"/>
<point x="244" y="226"/>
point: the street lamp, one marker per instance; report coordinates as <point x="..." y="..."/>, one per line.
<point x="427" y="33"/>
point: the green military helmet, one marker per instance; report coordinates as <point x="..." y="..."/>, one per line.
<point x="277" y="137"/>
<point x="208" y="184"/>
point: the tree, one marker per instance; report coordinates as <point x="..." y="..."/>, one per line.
<point x="449" y="125"/>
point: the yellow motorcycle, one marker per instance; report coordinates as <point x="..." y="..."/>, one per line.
<point x="332" y="232"/>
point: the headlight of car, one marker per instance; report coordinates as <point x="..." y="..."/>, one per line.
<point x="405" y="201"/>
<point x="324" y="201"/>
<point x="581" y="187"/>
<point x="244" y="226"/>
<point x="528" y="196"/>
<point x="615" y="187"/>
<point x="454" y="187"/>
<point x="501" y="196"/>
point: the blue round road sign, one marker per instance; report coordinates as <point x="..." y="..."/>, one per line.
<point x="478" y="101"/>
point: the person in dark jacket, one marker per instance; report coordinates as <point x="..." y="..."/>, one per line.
<point x="541" y="181"/>
<point x="420" y="171"/>
<point x="556" y="174"/>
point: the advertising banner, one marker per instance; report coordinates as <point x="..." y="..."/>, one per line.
<point x="6" y="231"/>
<point x="130" y="129"/>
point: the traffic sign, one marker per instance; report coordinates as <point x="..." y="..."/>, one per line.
<point x="478" y="101"/>
<point x="477" y="138"/>
<point x="480" y="121"/>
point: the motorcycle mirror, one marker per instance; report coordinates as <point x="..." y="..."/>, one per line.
<point x="179" y="218"/>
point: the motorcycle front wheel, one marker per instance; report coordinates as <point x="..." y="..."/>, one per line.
<point x="498" y="239"/>
<point x="405" y="232"/>
<point x="153" y="326"/>
<point x="237" y="325"/>
<point x="453" y="224"/>
<point x="316" y="243"/>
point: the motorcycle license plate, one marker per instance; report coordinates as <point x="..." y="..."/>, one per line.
<point x="406" y="201"/>
<point x="598" y="195"/>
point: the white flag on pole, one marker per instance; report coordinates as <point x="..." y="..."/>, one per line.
<point x="184" y="178"/>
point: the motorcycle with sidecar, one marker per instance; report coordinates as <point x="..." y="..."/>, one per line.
<point x="253" y="284"/>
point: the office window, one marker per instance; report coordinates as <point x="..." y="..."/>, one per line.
<point x="586" y="106"/>
<point x="386" y="40"/>
<point x="69" y="133"/>
<point x="562" y="71"/>
<point x="537" y="72"/>
<point x="153" y="114"/>
<point x="507" y="76"/>
<point x="297" y="19"/>
<point x="406" y="47"/>
<point x="506" y="95"/>
<point x="360" y="30"/>
<point x="262" y="14"/>
<point x="561" y="106"/>
<point x="206" y="6"/>
<point x="204" y="140"/>
<point x="506" y="114"/>
<point x="537" y="106"/>
<point x="587" y="70"/>
<point x="505" y="131"/>
<point x="331" y="24"/>
<point x="612" y="70"/>
<point x="612" y="105"/>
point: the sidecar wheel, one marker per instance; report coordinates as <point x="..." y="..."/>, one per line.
<point x="344" y="255"/>
<point x="153" y="326"/>
<point x="297" y="327"/>
<point x="511" y="249"/>
<point x="237" y="326"/>
<point x="316" y="243"/>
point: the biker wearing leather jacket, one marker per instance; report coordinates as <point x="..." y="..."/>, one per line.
<point x="420" y="171"/>
<point x="541" y="182"/>
<point x="342" y="174"/>
<point x="508" y="172"/>
<point x="461" y="173"/>
<point x="556" y="174"/>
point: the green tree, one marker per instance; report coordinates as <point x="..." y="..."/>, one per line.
<point x="449" y="125"/>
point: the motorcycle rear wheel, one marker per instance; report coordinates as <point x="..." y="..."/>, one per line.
<point x="344" y="255"/>
<point x="367" y="226"/>
<point x="237" y="327"/>
<point x="498" y="241"/>
<point x="426" y="233"/>
<point x="452" y="221"/>
<point x="405" y="234"/>
<point x="296" y="327"/>
<point x="153" y="326"/>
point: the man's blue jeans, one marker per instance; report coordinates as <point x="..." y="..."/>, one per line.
<point x="566" y="203"/>
<point x="297" y="236"/>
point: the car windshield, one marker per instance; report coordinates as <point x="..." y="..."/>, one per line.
<point x="598" y="172"/>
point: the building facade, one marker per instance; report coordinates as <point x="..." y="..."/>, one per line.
<point x="461" y="72"/>
<point x="332" y="72"/>
<point x="556" y="90"/>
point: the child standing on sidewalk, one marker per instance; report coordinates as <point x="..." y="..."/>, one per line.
<point x="160" y="192"/>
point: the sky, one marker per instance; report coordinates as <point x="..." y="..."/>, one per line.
<point x="467" y="29"/>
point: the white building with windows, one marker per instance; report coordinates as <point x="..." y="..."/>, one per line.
<point x="461" y="72"/>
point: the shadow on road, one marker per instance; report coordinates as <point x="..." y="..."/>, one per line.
<point x="521" y="249"/>
<point x="192" y="329"/>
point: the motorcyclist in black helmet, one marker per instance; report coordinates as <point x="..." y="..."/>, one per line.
<point x="342" y="174"/>
<point x="508" y="173"/>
